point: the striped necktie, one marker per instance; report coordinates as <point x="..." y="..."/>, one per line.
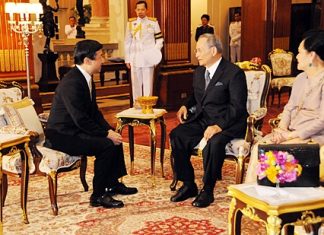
<point x="207" y="78"/>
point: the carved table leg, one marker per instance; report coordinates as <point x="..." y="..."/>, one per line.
<point x="163" y="137"/>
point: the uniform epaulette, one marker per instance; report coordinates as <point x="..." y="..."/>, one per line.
<point x="132" y="19"/>
<point x="152" y="18"/>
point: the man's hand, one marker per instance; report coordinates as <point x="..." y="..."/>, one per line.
<point x="182" y="114"/>
<point x="115" y="137"/>
<point x="128" y="65"/>
<point x="211" y="131"/>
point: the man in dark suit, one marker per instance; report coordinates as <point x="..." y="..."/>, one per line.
<point x="205" y="27"/>
<point x="77" y="127"/>
<point x="218" y="108"/>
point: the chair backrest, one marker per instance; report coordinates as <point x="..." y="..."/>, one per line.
<point x="23" y="114"/>
<point x="258" y="80"/>
<point x="10" y="92"/>
<point x="281" y="62"/>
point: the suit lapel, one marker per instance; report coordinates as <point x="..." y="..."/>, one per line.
<point x="217" y="75"/>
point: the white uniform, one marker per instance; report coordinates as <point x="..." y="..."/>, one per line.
<point x="235" y="43"/>
<point x="70" y="32"/>
<point x="141" y="38"/>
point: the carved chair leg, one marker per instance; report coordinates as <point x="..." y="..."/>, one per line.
<point x="52" y="186"/>
<point x="83" y="170"/>
<point x="4" y="188"/>
<point x="279" y="97"/>
<point x="240" y="167"/>
<point x="273" y="93"/>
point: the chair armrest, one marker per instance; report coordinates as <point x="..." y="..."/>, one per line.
<point x="259" y="113"/>
<point x="34" y="136"/>
<point x="249" y="134"/>
<point x="274" y="122"/>
<point x="34" y="139"/>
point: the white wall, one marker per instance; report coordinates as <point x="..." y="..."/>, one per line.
<point x="219" y="13"/>
<point x="198" y="8"/>
<point x="117" y="23"/>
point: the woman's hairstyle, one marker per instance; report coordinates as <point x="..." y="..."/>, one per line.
<point x="213" y="41"/>
<point x="86" y="48"/>
<point x="314" y="41"/>
<point x="205" y="16"/>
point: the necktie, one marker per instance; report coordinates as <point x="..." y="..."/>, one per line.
<point x="207" y="79"/>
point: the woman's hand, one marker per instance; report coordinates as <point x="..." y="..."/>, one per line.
<point x="277" y="137"/>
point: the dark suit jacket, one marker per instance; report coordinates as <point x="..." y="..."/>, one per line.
<point x="73" y="111"/>
<point x="201" y="30"/>
<point x="224" y="101"/>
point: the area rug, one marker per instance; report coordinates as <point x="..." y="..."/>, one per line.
<point x="148" y="212"/>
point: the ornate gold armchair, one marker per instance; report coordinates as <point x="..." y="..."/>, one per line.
<point x="258" y="82"/>
<point x="281" y="65"/>
<point x="20" y="116"/>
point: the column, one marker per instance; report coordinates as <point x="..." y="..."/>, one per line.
<point x="98" y="28"/>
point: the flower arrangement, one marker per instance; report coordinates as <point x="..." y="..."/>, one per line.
<point x="256" y="60"/>
<point x="278" y="167"/>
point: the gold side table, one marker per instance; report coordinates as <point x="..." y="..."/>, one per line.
<point x="275" y="207"/>
<point x="134" y="117"/>
<point x="11" y="144"/>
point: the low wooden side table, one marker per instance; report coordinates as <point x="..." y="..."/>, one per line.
<point x="134" y="117"/>
<point x="275" y="207"/>
<point x="11" y="144"/>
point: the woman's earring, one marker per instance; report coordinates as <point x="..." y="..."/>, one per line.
<point x="310" y="64"/>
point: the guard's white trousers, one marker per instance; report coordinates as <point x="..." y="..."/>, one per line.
<point x="235" y="53"/>
<point x="142" y="81"/>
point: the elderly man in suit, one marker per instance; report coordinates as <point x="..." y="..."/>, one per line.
<point x="77" y="127"/>
<point x="218" y="114"/>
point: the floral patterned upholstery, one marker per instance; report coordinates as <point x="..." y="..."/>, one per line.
<point x="54" y="160"/>
<point x="281" y="63"/>
<point x="20" y="115"/>
<point x="282" y="82"/>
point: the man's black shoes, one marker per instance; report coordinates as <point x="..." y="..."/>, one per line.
<point x="106" y="201"/>
<point x="204" y="199"/>
<point x="185" y="192"/>
<point x="122" y="189"/>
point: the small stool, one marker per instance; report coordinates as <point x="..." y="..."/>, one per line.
<point x="276" y="207"/>
<point x="134" y="117"/>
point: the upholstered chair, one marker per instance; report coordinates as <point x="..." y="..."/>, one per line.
<point x="13" y="164"/>
<point x="282" y="74"/>
<point x="258" y="82"/>
<point x="20" y="116"/>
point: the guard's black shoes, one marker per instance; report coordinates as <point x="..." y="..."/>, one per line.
<point x="122" y="189"/>
<point x="185" y="192"/>
<point x="106" y="201"/>
<point x="204" y="199"/>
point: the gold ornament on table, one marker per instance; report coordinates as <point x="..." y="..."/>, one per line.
<point x="147" y="103"/>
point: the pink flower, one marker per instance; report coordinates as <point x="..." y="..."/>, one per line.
<point x="284" y="166"/>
